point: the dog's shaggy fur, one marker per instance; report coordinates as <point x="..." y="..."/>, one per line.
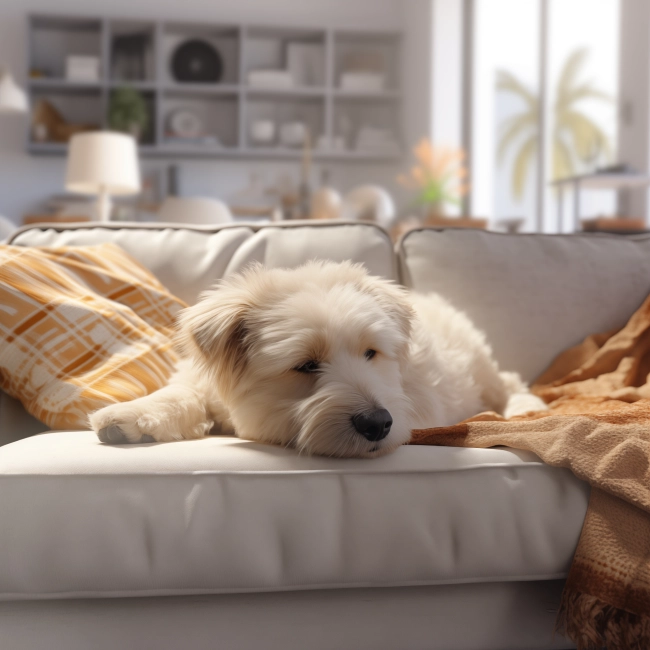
<point x="296" y="357"/>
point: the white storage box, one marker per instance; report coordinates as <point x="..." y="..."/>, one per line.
<point x="82" y="68"/>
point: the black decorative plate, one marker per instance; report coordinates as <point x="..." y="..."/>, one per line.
<point x="197" y="61"/>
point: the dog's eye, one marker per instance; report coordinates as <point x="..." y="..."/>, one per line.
<point x="308" y="367"/>
<point x="369" y="354"/>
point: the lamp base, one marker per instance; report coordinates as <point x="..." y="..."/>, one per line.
<point x="104" y="206"/>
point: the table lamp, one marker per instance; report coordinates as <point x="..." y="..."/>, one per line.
<point x="105" y="164"/>
<point x="12" y="96"/>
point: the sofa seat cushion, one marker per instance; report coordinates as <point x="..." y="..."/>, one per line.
<point x="83" y="519"/>
<point x="219" y="515"/>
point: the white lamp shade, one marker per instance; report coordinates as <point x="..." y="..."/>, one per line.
<point x="12" y="97"/>
<point x="102" y="162"/>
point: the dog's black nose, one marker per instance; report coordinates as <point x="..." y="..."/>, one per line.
<point x="374" y="425"/>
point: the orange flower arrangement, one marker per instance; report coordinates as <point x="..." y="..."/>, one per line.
<point x="439" y="175"/>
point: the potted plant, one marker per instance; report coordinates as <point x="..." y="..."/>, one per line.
<point x="438" y="177"/>
<point x="128" y="112"/>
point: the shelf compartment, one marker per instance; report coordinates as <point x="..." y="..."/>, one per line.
<point x="45" y="127"/>
<point x="218" y="114"/>
<point x="377" y="52"/>
<point x="148" y="135"/>
<point x="354" y="116"/>
<point x="281" y="110"/>
<point x="132" y="51"/>
<point x="54" y="38"/>
<point x="225" y="39"/>
<point x="301" y="52"/>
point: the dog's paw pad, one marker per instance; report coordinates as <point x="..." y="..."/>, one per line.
<point x="112" y="435"/>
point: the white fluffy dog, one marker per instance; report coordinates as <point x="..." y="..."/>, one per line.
<point x="323" y="358"/>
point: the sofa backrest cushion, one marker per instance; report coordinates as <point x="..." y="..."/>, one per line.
<point x="533" y="295"/>
<point x="278" y="246"/>
<point x="186" y="260"/>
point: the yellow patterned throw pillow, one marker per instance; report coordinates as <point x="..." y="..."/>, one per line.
<point x="80" y="328"/>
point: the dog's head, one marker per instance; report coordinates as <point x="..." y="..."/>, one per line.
<point x="311" y="357"/>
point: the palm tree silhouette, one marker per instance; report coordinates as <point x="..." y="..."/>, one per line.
<point x="577" y="140"/>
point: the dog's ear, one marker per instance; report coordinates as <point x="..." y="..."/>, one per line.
<point x="394" y="300"/>
<point x="214" y="331"/>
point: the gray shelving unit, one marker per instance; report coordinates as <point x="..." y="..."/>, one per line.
<point x="229" y="107"/>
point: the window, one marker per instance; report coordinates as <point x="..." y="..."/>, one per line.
<point x="582" y="92"/>
<point x="545" y="73"/>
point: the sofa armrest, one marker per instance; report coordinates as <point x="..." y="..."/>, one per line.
<point x="15" y="422"/>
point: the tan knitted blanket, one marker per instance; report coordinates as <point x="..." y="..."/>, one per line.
<point x="598" y="426"/>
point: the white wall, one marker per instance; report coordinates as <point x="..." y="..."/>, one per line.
<point x="25" y="180"/>
<point x="447" y="53"/>
<point x="447" y="75"/>
<point x="417" y="80"/>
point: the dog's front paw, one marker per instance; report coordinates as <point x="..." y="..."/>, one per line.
<point x="522" y="403"/>
<point x="164" y="416"/>
<point x="120" y="423"/>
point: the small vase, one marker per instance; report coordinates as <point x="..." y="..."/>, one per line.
<point x="436" y="210"/>
<point x="435" y="215"/>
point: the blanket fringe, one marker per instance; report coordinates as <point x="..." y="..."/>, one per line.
<point x="592" y="624"/>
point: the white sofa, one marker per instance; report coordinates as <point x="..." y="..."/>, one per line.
<point x="223" y="543"/>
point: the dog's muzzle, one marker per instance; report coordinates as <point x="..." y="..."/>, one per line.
<point x="374" y="425"/>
